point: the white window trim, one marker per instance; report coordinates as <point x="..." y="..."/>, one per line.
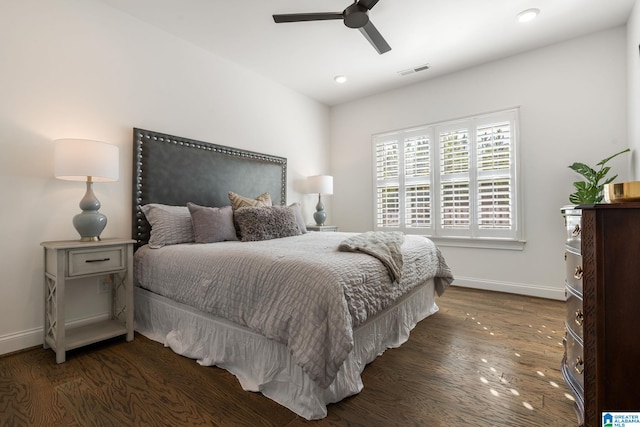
<point x="511" y="240"/>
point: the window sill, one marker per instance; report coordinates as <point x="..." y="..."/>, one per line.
<point x="463" y="242"/>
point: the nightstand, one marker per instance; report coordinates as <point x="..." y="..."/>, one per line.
<point x="322" y="227"/>
<point x="70" y="260"/>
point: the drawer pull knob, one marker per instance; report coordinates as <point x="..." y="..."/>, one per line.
<point x="579" y="366"/>
<point x="579" y="317"/>
<point x="578" y="273"/>
<point x="576" y="231"/>
<point x="98" y="260"/>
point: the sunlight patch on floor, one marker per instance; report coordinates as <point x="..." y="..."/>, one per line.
<point x="505" y="380"/>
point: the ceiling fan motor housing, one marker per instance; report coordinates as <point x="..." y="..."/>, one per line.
<point x="355" y="16"/>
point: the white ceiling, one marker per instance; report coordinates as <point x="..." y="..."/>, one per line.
<point x="449" y="35"/>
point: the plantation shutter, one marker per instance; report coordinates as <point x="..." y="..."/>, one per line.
<point x="454" y="179"/>
<point x="417" y="179"/>
<point x="387" y="157"/>
<point x="495" y="184"/>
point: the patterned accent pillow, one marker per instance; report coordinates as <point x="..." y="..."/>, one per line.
<point x="238" y="201"/>
<point x="212" y="225"/>
<point x="170" y="225"/>
<point x="265" y="223"/>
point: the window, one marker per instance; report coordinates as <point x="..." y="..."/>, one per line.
<point x="455" y="180"/>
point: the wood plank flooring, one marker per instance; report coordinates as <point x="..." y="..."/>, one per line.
<point x="485" y="359"/>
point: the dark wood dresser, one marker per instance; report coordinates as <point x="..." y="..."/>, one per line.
<point x="601" y="363"/>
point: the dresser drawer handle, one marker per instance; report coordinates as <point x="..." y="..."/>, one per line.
<point x="576" y="231"/>
<point x="579" y="366"/>
<point x="579" y="317"/>
<point x="578" y="273"/>
<point x="98" y="260"/>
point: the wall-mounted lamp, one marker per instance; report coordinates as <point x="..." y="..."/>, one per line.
<point x="90" y="161"/>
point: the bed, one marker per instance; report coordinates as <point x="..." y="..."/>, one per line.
<point x="294" y="315"/>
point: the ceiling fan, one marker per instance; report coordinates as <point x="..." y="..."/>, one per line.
<point x="354" y="16"/>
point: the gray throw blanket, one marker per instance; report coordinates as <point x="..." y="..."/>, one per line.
<point x="383" y="245"/>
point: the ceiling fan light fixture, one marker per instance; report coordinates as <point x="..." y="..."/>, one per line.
<point x="340" y="79"/>
<point x="527" y="15"/>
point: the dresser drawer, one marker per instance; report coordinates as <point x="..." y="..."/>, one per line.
<point x="575" y="313"/>
<point x="575" y="360"/>
<point x="95" y="261"/>
<point x="573" y="265"/>
<point x="572" y="222"/>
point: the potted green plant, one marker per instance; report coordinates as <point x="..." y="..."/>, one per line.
<point x="590" y="190"/>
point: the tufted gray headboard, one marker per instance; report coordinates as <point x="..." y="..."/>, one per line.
<point x="173" y="171"/>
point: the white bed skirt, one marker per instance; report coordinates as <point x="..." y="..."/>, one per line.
<point x="264" y="365"/>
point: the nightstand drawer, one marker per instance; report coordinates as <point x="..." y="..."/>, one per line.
<point x="92" y="261"/>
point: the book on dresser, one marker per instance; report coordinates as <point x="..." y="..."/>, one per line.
<point x="601" y="362"/>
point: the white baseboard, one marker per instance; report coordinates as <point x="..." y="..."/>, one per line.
<point x="34" y="337"/>
<point x="549" y="292"/>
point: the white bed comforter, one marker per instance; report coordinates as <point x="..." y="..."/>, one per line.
<point x="300" y="291"/>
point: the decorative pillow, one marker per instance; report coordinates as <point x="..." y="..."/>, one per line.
<point x="238" y="201"/>
<point x="212" y="225"/>
<point x="297" y="210"/>
<point x="265" y="223"/>
<point x="170" y="225"/>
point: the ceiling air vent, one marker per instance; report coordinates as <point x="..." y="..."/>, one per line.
<point x="414" y="70"/>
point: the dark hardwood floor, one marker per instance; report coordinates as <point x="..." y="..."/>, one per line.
<point x="485" y="359"/>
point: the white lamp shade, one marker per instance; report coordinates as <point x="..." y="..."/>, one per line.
<point x="320" y="184"/>
<point x="77" y="159"/>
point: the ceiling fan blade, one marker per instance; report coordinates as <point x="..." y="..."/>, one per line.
<point x="370" y="32"/>
<point x="368" y="3"/>
<point x="301" y="17"/>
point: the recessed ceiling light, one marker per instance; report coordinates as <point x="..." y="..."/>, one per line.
<point x="528" y="15"/>
<point x="340" y="79"/>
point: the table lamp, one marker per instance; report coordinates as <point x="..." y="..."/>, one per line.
<point x="90" y="161"/>
<point x="320" y="184"/>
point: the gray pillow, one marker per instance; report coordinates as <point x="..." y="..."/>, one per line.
<point x="170" y="225"/>
<point x="212" y="225"/>
<point x="265" y="223"/>
<point x="297" y="210"/>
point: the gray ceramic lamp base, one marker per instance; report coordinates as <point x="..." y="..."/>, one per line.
<point x="320" y="216"/>
<point x="89" y="223"/>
